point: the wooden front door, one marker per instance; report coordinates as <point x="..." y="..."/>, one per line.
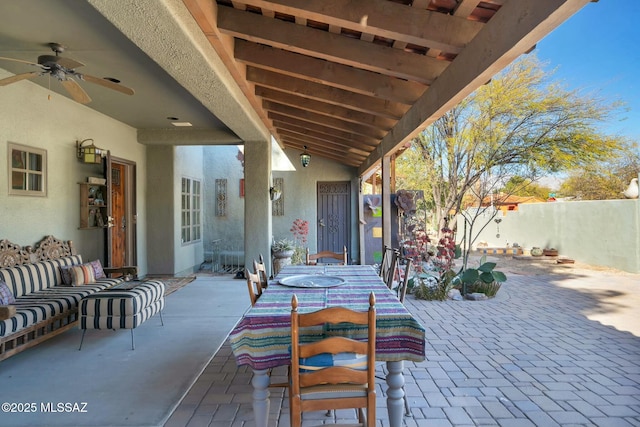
<point x="333" y="215"/>
<point x="122" y="231"/>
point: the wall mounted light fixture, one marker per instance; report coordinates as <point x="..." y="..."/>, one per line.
<point x="305" y="158"/>
<point x="274" y="193"/>
<point x="89" y="153"/>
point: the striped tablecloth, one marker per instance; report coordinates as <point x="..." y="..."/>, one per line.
<point x="263" y="336"/>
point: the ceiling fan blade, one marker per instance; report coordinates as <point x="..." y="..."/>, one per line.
<point x="68" y="62"/>
<point x="18" y="77"/>
<point x="76" y="91"/>
<point x="20" y="60"/>
<point x="108" y="84"/>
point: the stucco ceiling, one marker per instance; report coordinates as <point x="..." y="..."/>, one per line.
<point x="351" y="81"/>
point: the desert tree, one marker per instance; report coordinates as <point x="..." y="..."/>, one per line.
<point x="520" y="123"/>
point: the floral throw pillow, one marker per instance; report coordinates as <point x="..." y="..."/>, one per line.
<point x="6" y="297"/>
<point x="98" y="272"/>
<point x="82" y="275"/>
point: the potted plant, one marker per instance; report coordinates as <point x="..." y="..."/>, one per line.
<point x="283" y="248"/>
<point x="282" y="251"/>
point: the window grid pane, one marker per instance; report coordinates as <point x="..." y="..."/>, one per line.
<point x="27" y="170"/>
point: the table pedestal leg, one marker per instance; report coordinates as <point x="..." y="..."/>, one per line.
<point x="395" y="393"/>
<point x="260" y="382"/>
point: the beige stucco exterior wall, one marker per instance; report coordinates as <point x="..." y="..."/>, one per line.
<point x="29" y="117"/>
<point x="600" y="232"/>
<point x="300" y="197"/>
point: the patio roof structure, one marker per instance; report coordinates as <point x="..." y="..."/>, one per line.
<point x="351" y="81"/>
<point x="354" y="81"/>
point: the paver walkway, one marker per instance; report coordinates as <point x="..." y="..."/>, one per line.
<point x="532" y="356"/>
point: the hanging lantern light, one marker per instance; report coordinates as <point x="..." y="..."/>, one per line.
<point x="305" y="158"/>
<point x="89" y="153"/>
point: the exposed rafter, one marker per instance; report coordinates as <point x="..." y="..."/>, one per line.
<point x="353" y="81"/>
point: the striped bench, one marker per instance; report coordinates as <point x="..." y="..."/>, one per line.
<point x="125" y="306"/>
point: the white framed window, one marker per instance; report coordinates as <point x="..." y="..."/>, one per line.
<point x="191" y="213"/>
<point x="27" y="170"/>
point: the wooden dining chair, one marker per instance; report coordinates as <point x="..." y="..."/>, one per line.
<point x="261" y="270"/>
<point x="405" y="276"/>
<point x="314" y="259"/>
<point x="253" y="285"/>
<point x="334" y="372"/>
<point x="389" y="265"/>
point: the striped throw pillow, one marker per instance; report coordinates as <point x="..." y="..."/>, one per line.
<point x="82" y="275"/>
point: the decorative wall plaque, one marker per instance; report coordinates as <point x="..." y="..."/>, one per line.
<point x="221" y="197"/>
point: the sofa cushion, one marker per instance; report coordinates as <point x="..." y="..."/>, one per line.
<point x="44" y="304"/>
<point x="24" y="279"/>
<point x="6" y="297"/>
<point x="98" y="272"/>
<point x="82" y="275"/>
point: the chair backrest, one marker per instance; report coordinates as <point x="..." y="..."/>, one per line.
<point x="331" y="373"/>
<point x="389" y="265"/>
<point x="261" y="270"/>
<point x="313" y="259"/>
<point x="253" y="285"/>
<point x="401" y="290"/>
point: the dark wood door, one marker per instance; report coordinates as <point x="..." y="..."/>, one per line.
<point x="333" y="215"/>
<point x="118" y="214"/>
<point x="122" y="233"/>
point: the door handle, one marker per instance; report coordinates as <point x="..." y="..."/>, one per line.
<point x="321" y="223"/>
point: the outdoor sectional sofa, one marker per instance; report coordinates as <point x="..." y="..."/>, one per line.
<point x="43" y="306"/>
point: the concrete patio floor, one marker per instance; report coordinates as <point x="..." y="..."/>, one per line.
<point x="549" y="350"/>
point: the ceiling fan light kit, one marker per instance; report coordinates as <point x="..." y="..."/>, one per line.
<point x="63" y="69"/>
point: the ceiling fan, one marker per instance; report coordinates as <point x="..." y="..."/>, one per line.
<point x="63" y="69"/>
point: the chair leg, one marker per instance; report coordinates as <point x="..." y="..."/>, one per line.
<point x="133" y="347"/>
<point x="161" y="319"/>
<point x="82" y="339"/>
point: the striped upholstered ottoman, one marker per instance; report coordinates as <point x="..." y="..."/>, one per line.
<point x="124" y="306"/>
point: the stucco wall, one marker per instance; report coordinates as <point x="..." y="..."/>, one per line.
<point x="602" y="232"/>
<point x="28" y="117"/>
<point x="161" y="240"/>
<point x="300" y="197"/>
<point x="220" y="162"/>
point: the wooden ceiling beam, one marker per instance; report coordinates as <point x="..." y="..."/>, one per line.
<point x="330" y="110"/>
<point x="324" y="72"/>
<point x="324" y="93"/>
<point x="281" y="119"/>
<point x="338" y="142"/>
<point x="337" y="155"/>
<point x="331" y="47"/>
<point x="510" y="33"/>
<point x="339" y="158"/>
<point x="323" y="142"/>
<point x="385" y="19"/>
<point x="324" y="120"/>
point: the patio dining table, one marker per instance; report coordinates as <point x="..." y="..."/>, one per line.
<point x="262" y="338"/>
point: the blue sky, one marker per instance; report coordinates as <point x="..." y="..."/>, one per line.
<point x="598" y="49"/>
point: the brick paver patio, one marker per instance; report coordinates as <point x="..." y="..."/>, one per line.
<point x="529" y="357"/>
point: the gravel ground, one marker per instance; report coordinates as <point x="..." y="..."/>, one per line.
<point x="544" y="265"/>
